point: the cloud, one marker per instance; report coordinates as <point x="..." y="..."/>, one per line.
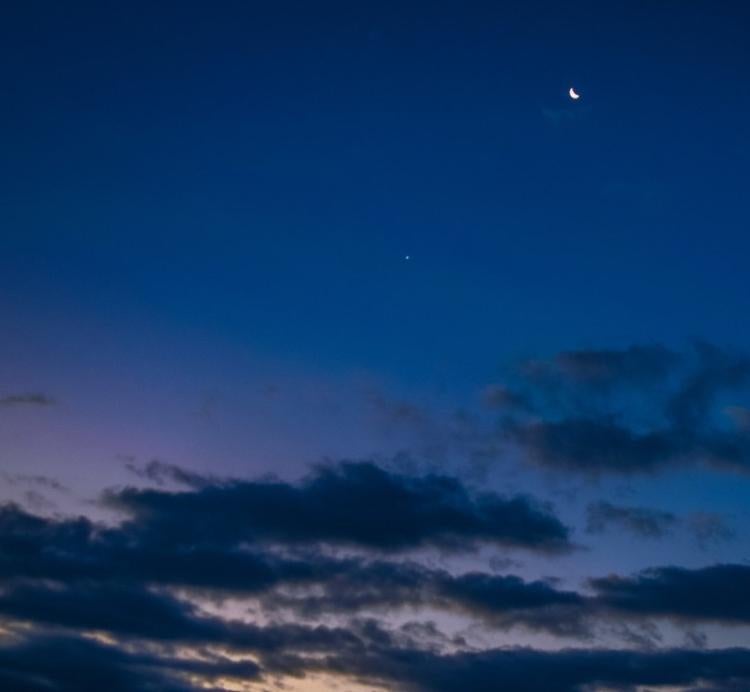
<point x="131" y="614"/>
<point x="44" y="482"/>
<point x="641" y="521"/>
<point x="717" y="371"/>
<point x="121" y="609"/>
<point x="706" y="528"/>
<point x="132" y="611"/>
<point x="508" y="600"/>
<point x="144" y="585"/>
<point x="605" y="367"/>
<point x="34" y="547"/>
<point x="39" y="662"/>
<point x="638" y="410"/>
<point x="142" y="552"/>
<point x="709" y="528"/>
<point x="73" y="552"/>
<point x="350" y="504"/>
<point x="161" y="473"/>
<point x="26" y="399"/>
<point x="500" y="601"/>
<point x="594" y="446"/>
<point x="568" y="670"/>
<point x="711" y="594"/>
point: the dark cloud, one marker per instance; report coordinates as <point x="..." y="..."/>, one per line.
<point x="501" y="593"/>
<point x="363" y="650"/>
<point x="508" y="600"/>
<point x="78" y="552"/>
<point x="717" y="371"/>
<point x="161" y="473"/>
<point x="40" y="662"/>
<point x="123" y="609"/>
<point x="600" y="368"/>
<point x="568" y="670"/>
<point x="350" y="503"/>
<point x="594" y="446"/>
<point x="140" y="583"/>
<point x="642" y="521"/>
<point x="151" y="584"/>
<point x="637" y="410"/>
<point x="717" y="593"/>
<point x="37" y="661"/>
<point x="131" y="611"/>
<point x="706" y="528"/>
<point x="26" y="399"/>
<point x="497" y="600"/>
<point x="75" y="549"/>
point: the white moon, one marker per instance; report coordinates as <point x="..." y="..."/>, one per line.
<point x="573" y="94"/>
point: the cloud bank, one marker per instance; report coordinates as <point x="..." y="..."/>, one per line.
<point x="252" y="581"/>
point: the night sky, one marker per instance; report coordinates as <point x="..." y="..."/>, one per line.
<point x="343" y="350"/>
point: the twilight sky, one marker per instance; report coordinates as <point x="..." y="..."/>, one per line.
<point x="341" y="349"/>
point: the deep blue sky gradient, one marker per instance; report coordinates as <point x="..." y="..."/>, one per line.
<point x="206" y="210"/>
<point x="199" y="203"/>
<point x="258" y="171"/>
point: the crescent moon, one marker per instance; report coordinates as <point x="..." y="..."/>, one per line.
<point x="573" y="94"/>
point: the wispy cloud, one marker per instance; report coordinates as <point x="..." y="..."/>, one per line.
<point x="26" y="399"/>
<point x="638" y="410"/>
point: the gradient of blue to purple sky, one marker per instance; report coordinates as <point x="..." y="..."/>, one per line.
<point x="244" y="239"/>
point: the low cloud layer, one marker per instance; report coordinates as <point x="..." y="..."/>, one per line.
<point x="358" y="504"/>
<point x="709" y="594"/>
<point x="221" y="580"/>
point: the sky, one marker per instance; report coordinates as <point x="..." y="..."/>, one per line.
<point x="342" y="349"/>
